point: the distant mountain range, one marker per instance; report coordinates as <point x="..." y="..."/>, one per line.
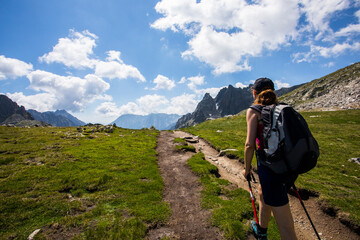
<point x="13" y="114"/>
<point x="160" y="121"/>
<point x="229" y="101"/>
<point x="59" y="118"/>
<point x="338" y="90"/>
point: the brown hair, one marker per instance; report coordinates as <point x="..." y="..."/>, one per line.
<point x="266" y="97"/>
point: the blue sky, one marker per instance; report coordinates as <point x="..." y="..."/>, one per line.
<point x="101" y="59"/>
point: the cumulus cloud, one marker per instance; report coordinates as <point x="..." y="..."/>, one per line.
<point x="115" y="68"/>
<point x="193" y="82"/>
<point x="41" y="102"/>
<point x="76" y="51"/>
<point x="224" y="34"/>
<point x="227" y="34"/>
<point x="318" y="12"/>
<point x="163" y="82"/>
<point x="326" y="52"/>
<point x="240" y="85"/>
<point x="62" y="92"/>
<point x="350" y="29"/>
<point x="182" y="104"/>
<point x="151" y="104"/>
<point x="279" y="84"/>
<point x="13" y="68"/>
<point x="108" y="109"/>
<point x="73" y="51"/>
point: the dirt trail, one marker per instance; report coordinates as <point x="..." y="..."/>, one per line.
<point x="182" y="192"/>
<point x="328" y="227"/>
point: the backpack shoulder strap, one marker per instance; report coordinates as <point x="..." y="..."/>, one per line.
<point x="277" y="110"/>
<point x="257" y="107"/>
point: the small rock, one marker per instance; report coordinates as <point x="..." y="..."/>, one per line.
<point x="223" y="152"/>
<point x="355" y="160"/>
<point x="32" y="235"/>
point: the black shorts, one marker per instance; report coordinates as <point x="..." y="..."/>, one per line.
<point x="274" y="186"/>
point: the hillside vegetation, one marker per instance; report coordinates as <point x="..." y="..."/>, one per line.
<point x="81" y="184"/>
<point x="338" y="90"/>
<point x="335" y="179"/>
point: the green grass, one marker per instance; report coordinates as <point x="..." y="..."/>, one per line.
<point x="93" y="185"/>
<point x="231" y="207"/>
<point x="182" y="145"/>
<point x="335" y="178"/>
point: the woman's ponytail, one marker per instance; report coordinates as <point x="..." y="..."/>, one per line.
<point x="266" y="97"/>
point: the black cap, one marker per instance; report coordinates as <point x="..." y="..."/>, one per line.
<point x="262" y="84"/>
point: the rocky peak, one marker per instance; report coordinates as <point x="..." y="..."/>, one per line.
<point x="8" y="108"/>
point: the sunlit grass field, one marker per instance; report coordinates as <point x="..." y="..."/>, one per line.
<point x="87" y="185"/>
<point x="231" y="207"/>
<point x="335" y="179"/>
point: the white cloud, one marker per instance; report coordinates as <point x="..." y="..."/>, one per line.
<point x="109" y="109"/>
<point x="64" y="92"/>
<point x="318" y="12"/>
<point x="13" y="68"/>
<point x="240" y="85"/>
<point x="329" y="65"/>
<point x="117" y="70"/>
<point x="350" y="29"/>
<point x="74" y="51"/>
<point x="226" y="34"/>
<point x="193" y="82"/>
<point x="326" y="52"/>
<point x="261" y="25"/>
<point x="182" y="104"/>
<point x="150" y="104"/>
<point x="212" y="91"/>
<point x="41" y="102"/>
<point x="163" y="82"/>
<point x="280" y="84"/>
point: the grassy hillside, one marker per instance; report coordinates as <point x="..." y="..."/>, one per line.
<point x="341" y="79"/>
<point x="335" y="179"/>
<point x="86" y="185"/>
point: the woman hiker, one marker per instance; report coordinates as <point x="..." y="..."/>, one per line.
<point x="273" y="188"/>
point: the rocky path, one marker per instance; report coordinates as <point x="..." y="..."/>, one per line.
<point x="182" y="192"/>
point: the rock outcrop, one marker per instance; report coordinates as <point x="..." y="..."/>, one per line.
<point x="338" y="90"/>
<point x="229" y="101"/>
<point x="11" y="112"/>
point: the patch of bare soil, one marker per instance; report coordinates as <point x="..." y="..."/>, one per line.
<point x="327" y="226"/>
<point x="182" y="192"/>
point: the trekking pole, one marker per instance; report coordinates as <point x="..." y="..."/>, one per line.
<point x="251" y="195"/>
<point x="307" y="214"/>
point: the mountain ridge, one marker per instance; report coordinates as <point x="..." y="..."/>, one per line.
<point x="161" y="121"/>
<point x="335" y="91"/>
<point x="11" y="112"/>
<point x="58" y="118"/>
<point x="229" y="101"/>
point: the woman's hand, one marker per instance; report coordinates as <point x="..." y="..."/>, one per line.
<point x="246" y="174"/>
